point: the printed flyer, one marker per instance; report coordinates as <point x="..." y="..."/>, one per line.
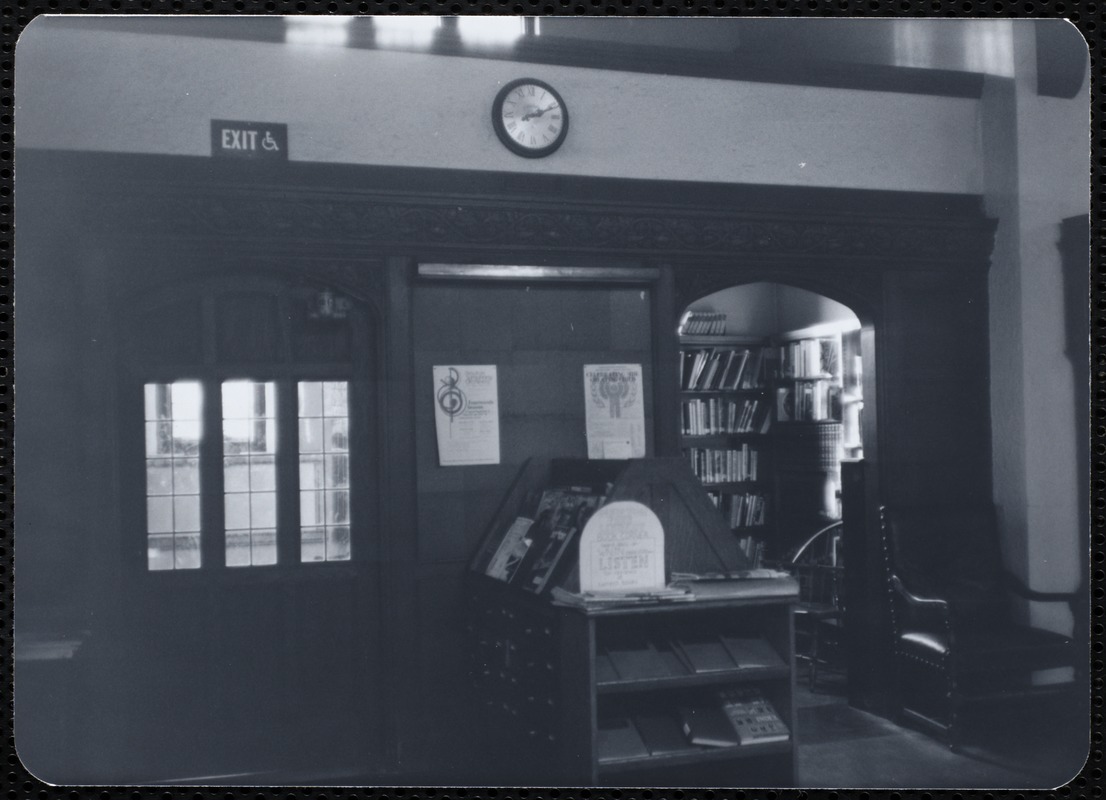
<point x="466" y="411"/>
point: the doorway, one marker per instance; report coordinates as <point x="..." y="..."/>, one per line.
<point x="772" y="397"/>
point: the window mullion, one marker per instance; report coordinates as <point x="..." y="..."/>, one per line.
<point x="212" y="540"/>
<point x="287" y="467"/>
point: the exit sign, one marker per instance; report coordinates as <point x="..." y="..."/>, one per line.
<point x="237" y="139"/>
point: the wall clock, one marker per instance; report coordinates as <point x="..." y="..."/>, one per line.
<point x="530" y="117"/>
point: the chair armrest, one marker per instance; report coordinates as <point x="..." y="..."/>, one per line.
<point x="926" y="612"/>
<point x="1018" y="587"/>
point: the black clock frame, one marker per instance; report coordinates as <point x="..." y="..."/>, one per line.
<point x="506" y="138"/>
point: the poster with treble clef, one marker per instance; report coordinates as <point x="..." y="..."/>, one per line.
<point x="615" y="401"/>
<point x="466" y="412"/>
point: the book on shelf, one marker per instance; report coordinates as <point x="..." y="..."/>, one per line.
<point x="662" y="734"/>
<point x="751" y="652"/>
<point x="715" y="415"/>
<point x="703" y="655"/>
<point x="707" y="725"/>
<point x="811" y="358"/>
<point x="618" y="739"/>
<point x="752" y="716"/>
<point x="715" y="369"/>
<point x="740" y="510"/>
<point x="731" y="465"/>
<point x="637" y="660"/>
<point x="702" y="323"/>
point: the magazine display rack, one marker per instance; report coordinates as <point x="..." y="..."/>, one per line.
<point x="697" y="692"/>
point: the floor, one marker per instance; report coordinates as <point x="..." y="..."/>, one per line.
<point x="843" y="747"/>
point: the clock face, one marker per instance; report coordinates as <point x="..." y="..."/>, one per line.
<point x="530" y="118"/>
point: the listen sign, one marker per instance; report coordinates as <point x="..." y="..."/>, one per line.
<point x="236" y="139"/>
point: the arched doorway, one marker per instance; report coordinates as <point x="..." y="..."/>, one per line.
<point x="773" y="395"/>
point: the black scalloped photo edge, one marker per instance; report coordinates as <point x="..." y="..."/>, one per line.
<point x="1086" y="16"/>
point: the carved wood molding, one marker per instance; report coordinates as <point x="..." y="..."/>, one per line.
<point x="434" y="223"/>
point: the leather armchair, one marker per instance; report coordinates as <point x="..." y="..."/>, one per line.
<point x="956" y="641"/>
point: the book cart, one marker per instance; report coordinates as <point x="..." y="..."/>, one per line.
<point x="600" y="695"/>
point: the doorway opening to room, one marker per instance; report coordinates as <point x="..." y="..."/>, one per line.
<point x="771" y="406"/>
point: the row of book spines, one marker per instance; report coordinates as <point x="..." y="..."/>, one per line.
<point x="811" y="358"/>
<point x="702" y="323"/>
<point x="715" y="415"/>
<point x="817" y="401"/>
<point x="740" y="510"/>
<point x="712" y="368"/>
<point x="724" y="466"/>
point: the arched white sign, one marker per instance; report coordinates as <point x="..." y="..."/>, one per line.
<point x="622" y="549"/>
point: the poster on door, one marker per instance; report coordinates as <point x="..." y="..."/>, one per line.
<point x="466" y="412"/>
<point x="614" y="397"/>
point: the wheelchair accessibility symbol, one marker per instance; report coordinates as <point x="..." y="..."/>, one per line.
<point x="269" y="143"/>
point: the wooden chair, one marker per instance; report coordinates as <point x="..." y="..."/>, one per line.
<point x="819" y="614"/>
<point x="957" y="644"/>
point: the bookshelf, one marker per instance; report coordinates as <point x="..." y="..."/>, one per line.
<point x="765" y="423"/>
<point x="727" y="414"/>
<point x="598" y="695"/>
<point x="566" y="717"/>
<point x="811" y="402"/>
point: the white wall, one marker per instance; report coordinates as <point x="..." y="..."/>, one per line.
<point x="765" y="309"/>
<point x="1033" y="414"/>
<point x="137" y="93"/>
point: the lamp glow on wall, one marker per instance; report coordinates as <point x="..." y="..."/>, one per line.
<point x="491" y="31"/>
<point x="317" y="31"/>
<point x="405" y="31"/>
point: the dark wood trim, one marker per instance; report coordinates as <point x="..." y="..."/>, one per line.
<point x="788" y="68"/>
<point x="320" y="211"/>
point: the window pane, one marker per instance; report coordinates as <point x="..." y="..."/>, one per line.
<point x="238" y="400"/>
<point x="263" y="436"/>
<point x="334" y="399"/>
<point x="337" y="544"/>
<point x="174" y="429"/>
<point x="311" y="435"/>
<point x="338" y="507"/>
<point x="157" y="401"/>
<point x="159" y="552"/>
<point x="249" y="472"/>
<point x="236" y="474"/>
<point x="238" y="548"/>
<point x="263" y="474"/>
<point x="159" y="438"/>
<point x="337" y="471"/>
<point x="186" y="475"/>
<point x="336" y="437"/>
<point x="311" y="472"/>
<point x="324" y="481"/>
<point x="186" y="512"/>
<point x="312" y="544"/>
<point x="159" y="476"/>
<point x="186" y="437"/>
<point x="187" y="400"/>
<point x="237" y="511"/>
<point x="312" y="508"/>
<point x="187" y="551"/>
<point x="311" y="399"/>
<point x="262" y="510"/>
<point x="264" y="547"/>
<point x="159" y="514"/>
